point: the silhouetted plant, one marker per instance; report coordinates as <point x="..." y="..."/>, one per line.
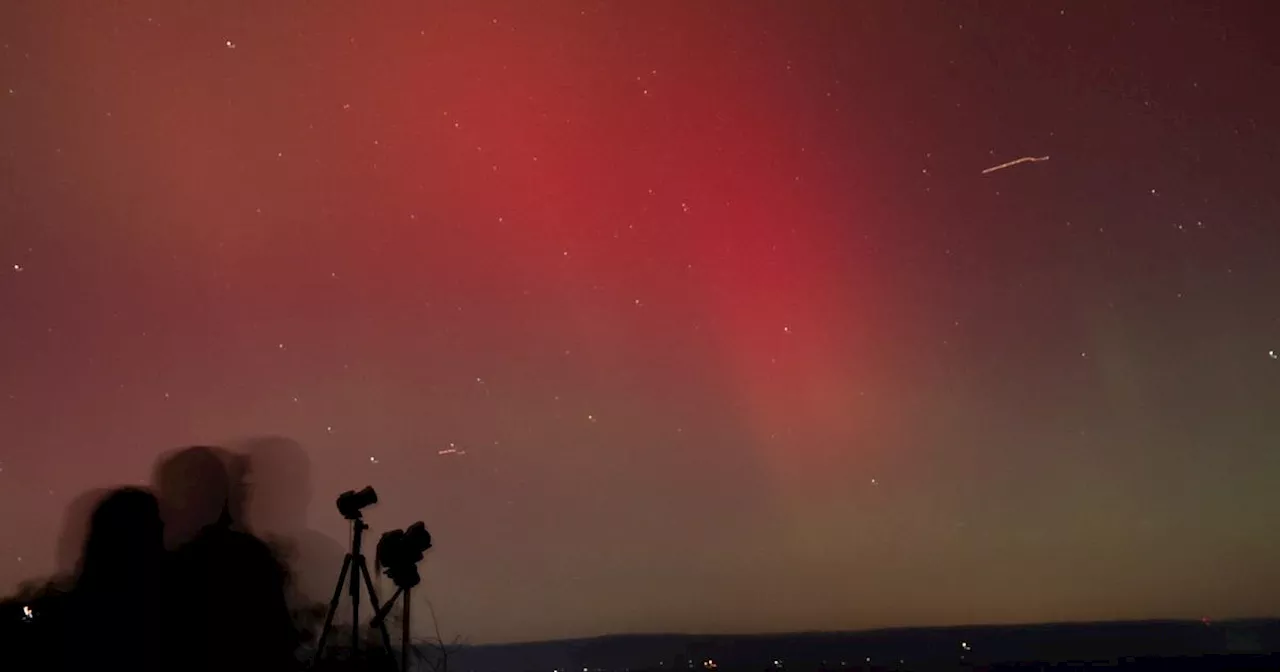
<point x="339" y="657"/>
<point x="438" y="658"/>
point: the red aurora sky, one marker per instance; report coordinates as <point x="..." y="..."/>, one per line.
<point x="667" y="316"/>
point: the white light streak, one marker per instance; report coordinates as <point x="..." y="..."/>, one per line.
<point x="1010" y="164"/>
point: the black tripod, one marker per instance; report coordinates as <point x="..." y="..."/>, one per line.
<point x="380" y="618"/>
<point x="359" y="572"/>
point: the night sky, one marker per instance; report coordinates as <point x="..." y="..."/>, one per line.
<point x="668" y="316"/>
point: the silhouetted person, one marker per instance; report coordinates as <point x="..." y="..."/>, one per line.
<point x="113" y="613"/>
<point x="33" y="622"/>
<point x="229" y="608"/>
<point x="196" y="490"/>
<point x="74" y="533"/>
<point x="278" y="474"/>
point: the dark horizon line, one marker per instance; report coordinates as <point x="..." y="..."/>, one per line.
<point x="891" y="629"/>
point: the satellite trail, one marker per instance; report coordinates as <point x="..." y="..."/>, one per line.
<point x="1010" y="164"/>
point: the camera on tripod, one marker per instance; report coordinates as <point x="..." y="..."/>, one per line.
<point x="351" y="502"/>
<point x="398" y="554"/>
<point x="400" y="551"/>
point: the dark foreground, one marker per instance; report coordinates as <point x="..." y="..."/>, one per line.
<point x="1162" y="645"/>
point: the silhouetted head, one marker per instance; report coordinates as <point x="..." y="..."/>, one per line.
<point x="125" y="540"/>
<point x="279" y="476"/>
<point x="75" y="530"/>
<point x="280" y="490"/>
<point x="194" y="488"/>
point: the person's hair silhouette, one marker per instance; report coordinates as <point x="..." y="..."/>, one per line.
<point x="115" y="605"/>
<point x="229" y="587"/>
<point x="124" y="543"/>
<point x="74" y="532"/>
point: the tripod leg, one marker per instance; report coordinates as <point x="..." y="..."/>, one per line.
<point x="357" y="562"/>
<point x="404" y="634"/>
<point x="363" y="568"/>
<point x="333" y="607"/>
